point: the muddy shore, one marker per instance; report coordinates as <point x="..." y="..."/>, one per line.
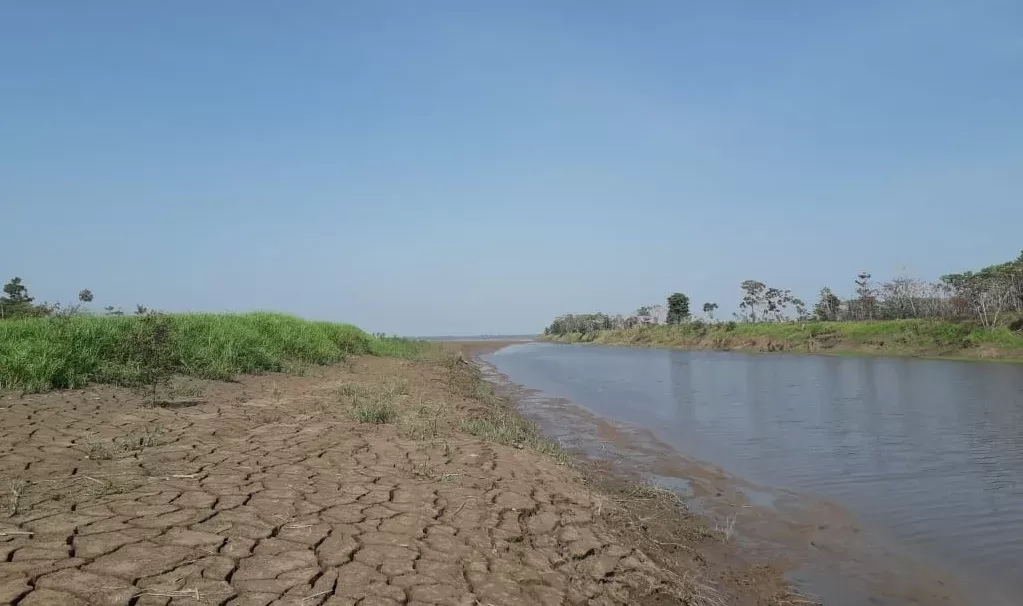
<point x="269" y="490"/>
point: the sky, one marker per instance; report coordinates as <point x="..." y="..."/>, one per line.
<point x="449" y="167"/>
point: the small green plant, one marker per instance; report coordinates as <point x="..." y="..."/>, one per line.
<point x="376" y="412"/>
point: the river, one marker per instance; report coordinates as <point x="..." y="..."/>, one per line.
<point x="926" y="457"/>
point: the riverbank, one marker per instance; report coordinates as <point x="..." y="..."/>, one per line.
<point x="381" y="479"/>
<point x="924" y="338"/>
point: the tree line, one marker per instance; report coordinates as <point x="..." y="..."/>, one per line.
<point x="991" y="296"/>
<point x="16" y="303"/>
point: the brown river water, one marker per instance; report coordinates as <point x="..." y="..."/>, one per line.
<point x="878" y="480"/>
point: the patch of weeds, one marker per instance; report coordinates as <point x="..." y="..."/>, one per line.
<point x="421" y="470"/>
<point x="187" y="391"/>
<point x="500" y="424"/>
<point x="481" y="390"/>
<point x="352" y="390"/>
<point x="507" y="427"/>
<point x="420" y="422"/>
<point x="102" y="488"/>
<point x="396" y="386"/>
<point x="376" y="412"/>
<point x="17" y="490"/>
<point x="100" y="451"/>
<point x="451" y="359"/>
<point x="139" y="440"/>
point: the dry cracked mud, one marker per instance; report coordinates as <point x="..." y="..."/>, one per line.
<point x="268" y="491"/>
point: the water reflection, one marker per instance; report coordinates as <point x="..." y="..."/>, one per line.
<point x="930" y="450"/>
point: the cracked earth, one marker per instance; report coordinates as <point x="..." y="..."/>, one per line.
<point x="267" y="491"/>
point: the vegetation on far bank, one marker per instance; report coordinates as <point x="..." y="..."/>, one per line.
<point x="896" y="337"/>
<point x="969" y="314"/>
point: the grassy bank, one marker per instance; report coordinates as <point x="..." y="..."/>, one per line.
<point x="39" y="354"/>
<point x="894" y="337"/>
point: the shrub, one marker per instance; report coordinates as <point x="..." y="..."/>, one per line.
<point x="376" y="412"/>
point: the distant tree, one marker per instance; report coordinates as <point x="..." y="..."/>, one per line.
<point x="865" y="297"/>
<point x="708" y="308"/>
<point x="800" y="306"/>
<point x="644" y="311"/>
<point x="579" y="323"/>
<point x="113" y="311"/>
<point x="85" y="295"/>
<point x="828" y="306"/>
<point x="141" y="310"/>
<point x="678" y="308"/>
<point x="16" y="301"/>
<point x="752" y="300"/>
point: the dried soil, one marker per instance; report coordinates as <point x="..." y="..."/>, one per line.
<point x="268" y="491"/>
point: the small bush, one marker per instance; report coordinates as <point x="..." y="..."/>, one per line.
<point x="151" y="353"/>
<point x="377" y="413"/>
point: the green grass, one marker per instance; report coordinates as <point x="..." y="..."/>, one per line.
<point x="898" y="337"/>
<point x="39" y="354"/>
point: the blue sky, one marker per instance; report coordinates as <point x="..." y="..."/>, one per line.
<point x="478" y="167"/>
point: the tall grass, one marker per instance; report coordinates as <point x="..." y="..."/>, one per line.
<point x="38" y="354"/>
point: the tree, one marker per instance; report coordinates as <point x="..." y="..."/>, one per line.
<point x="579" y="323"/>
<point x="678" y="308"/>
<point x="708" y="308"/>
<point x="800" y="306"/>
<point x="643" y="311"/>
<point x="865" y="298"/>
<point x="85" y="295"/>
<point x="752" y="300"/>
<point x="828" y="306"/>
<point x="16" y="301"/>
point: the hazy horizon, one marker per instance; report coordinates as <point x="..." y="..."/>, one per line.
<point x="466" y="168"/>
